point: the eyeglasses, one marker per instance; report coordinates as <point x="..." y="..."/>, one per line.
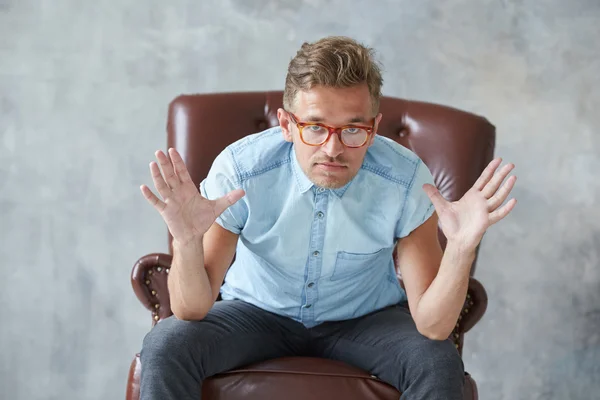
<point x="316" y="134"/>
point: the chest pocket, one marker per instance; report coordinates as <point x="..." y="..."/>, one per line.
<point x="349" y="265"/>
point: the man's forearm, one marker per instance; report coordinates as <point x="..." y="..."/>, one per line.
<point x="440" y="305"/>
<point x="189" y="287"/>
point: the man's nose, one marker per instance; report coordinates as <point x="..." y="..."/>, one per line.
<point x="333" y="147"/>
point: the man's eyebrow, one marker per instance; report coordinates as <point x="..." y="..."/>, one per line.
<point x="314" y="118"/>
<point x="317" y="118"/>
<point x="357" y="119"/>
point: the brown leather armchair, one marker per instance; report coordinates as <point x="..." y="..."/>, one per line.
<point x="455" y="145"/>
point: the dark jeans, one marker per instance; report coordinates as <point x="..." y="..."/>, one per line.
<point x="178" y="355"/>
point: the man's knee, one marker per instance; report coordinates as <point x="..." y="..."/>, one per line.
<point x="438" y="367"/>
<point x="169" y="339"/>
<point x="172" y="360"/>
<point x="442" y="356"/>
<point x="432" y="369"/>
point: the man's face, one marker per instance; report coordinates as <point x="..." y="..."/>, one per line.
<point x="331" y="165"/>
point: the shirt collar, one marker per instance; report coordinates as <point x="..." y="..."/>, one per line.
<point x="305" y="184"/>
<point x="340" y="191"/>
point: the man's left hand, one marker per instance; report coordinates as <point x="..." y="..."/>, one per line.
<point x="465" y="221"/>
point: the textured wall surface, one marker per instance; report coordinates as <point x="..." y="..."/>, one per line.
<point x="84" y="88"/>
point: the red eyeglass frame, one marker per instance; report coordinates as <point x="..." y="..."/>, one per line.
<point x="301" y="125"/>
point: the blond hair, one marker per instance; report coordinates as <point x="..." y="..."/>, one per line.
<point x="334" y="61"/>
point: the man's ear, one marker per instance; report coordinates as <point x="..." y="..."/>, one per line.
<point x="285" y="124"/>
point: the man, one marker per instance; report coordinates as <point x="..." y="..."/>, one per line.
<point x="312" y="211"/>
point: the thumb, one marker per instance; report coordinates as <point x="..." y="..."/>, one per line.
<point x="439" y="202"/>
<point x="221" y="204"/>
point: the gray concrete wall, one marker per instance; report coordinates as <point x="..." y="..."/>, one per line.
<point x="84" y="87"/>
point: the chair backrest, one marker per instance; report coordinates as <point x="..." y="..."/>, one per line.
<point x="455" y="145"/>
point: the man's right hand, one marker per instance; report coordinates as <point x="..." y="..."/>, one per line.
<point x="187" y="214"/>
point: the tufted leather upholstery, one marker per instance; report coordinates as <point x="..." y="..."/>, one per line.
<point x="455" y="145"/>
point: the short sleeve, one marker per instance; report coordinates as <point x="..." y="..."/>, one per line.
<point x="417" y="206"/>
<point x="222" y="179"/>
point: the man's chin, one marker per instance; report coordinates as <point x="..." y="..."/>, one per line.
<point x="329" y="182"/>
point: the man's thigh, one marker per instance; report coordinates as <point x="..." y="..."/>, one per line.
<point x="387" y="344"/>
<point x="233" y="334"/>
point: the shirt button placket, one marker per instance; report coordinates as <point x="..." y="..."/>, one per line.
<point x="317" y="239"/>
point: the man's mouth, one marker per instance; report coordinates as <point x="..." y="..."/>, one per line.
<point x="330" y="164"/>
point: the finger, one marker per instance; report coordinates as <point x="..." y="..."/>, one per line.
<point x="439" y="202"/>
<point x="159" y="183"/>
<point x="502" y="211"/>
<point x="228" y="200"/>
<point x="487" y="174"/>
<point x="152" y="199"/>
<point x="167" y="169"/>
<point x="492" y="186"/>
<point x="180" y="168"/>
<point x="496" y="200"/>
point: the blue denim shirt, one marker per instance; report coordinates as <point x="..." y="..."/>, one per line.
<point x="315" y="254"/>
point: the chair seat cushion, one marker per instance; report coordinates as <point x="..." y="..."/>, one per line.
<point x="294" y="378"/>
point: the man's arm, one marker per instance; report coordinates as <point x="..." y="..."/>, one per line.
<point x="198" y="271"/>
<point x="202" y="250"/>
<point x="436" y="282"/>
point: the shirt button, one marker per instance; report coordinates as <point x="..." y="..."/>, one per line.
<point x="311" y="284"/>
<point x="320" y="190"/>
<point x="316" y="253"/>
<point x="320" y="214"/>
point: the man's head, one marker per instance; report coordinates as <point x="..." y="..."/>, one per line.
<point x="333" y="82"/>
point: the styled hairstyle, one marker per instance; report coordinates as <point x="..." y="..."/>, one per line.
<point x="334" y="61"/>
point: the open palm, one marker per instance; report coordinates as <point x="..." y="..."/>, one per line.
<point x="466" y="220"/>
<point x="187" y="214"/>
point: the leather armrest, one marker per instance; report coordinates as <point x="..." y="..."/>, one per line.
<point x="149" y="282"/>
<point x="473" y="309"/>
